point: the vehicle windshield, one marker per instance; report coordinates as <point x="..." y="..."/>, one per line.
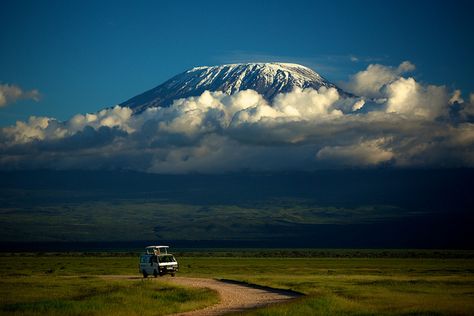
<point x="167" y="259"/>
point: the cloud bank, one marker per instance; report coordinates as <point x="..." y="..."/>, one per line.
<point x="394" y="121"/>
<point x="12" y="93"/>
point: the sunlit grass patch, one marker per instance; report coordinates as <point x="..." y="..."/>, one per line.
<point x="373" y="295"/>
<point x="46" y="295"/>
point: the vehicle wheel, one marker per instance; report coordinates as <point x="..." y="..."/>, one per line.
<point x="155" y="273"/>
<point x="173" y="274"/>
<point x="145" y="274"/>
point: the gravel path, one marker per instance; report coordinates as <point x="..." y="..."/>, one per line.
<point x="234" y="296"/>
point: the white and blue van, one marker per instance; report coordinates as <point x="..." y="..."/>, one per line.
<point x="157" y="261"/>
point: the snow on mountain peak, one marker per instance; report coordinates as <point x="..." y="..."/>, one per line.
<point x="268" y="79"/>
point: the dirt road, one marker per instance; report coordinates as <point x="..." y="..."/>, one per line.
<point x="234" y="296"/>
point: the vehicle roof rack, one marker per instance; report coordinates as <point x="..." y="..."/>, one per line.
<point x="157" y="250"/>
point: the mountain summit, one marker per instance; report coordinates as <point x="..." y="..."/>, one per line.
<point x="268" y="79"/>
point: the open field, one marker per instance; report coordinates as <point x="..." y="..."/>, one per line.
<point x="84" y="295"/>
<point x="362" y="286"/>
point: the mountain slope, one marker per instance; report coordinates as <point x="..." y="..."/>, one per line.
<point x="268" y="79"/>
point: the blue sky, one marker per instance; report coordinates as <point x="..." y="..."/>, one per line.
<point x="86" y="55"/>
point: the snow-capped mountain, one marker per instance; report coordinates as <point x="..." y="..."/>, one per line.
<point x="268" y="79"/>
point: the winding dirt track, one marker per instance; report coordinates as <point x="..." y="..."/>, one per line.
<point x="234" y="296"/>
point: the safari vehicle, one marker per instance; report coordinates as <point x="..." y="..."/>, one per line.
<point x="157" y="261"/>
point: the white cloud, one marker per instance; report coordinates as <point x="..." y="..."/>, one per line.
<point x="113" y="117"/>
<point x="298" y="105"/>
<point x="35" y="129"/>
<point x="11" y="93"/>
<point x="406" y="96"/>
<point x="45" y="128"/>
<point x="409" y="124"/>
<point x="370" y="82"/>
<point x="308" y="103"/>
<point x="358" y="105"/>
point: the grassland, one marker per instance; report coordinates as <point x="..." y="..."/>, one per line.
<point x="357" y="286"/>
<point x="46" y="295"/>
<point x="71" y="286"/>
<point x="341" y="286"/>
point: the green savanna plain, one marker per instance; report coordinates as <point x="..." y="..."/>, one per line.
<point x="73" y="284"/>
